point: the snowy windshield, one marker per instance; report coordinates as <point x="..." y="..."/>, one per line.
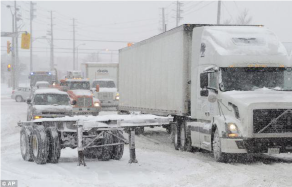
<point x="51" y="99"/>
<point x="104" y="84"/>
<point x="79" y="85"/>
<point x="252" y="78"/>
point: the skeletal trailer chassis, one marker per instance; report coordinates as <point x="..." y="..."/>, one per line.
<point x="102" y="127"/>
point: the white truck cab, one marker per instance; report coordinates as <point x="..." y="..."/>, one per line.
<point x="228" y="87"/>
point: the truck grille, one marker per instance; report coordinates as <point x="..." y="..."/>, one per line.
<point x="84" y="102"/>
<point x="105" y="96"/>
<point x="263" y="117"/>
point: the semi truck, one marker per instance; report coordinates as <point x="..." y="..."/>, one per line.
<point x="228" y="87"/>
<point x="104" y="75"/>
<point x="47" y="76"/>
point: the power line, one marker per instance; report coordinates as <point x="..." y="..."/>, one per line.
<point x="200" y="8"/>
<point x="68" y="52"/>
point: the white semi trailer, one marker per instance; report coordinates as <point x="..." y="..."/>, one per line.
<point x="229" y="88"/>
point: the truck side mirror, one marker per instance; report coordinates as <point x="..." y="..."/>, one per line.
<point x="204" y="93"/>
<point x="28" y="101"/>
<point x="97" y="88"/>
<point x="74" y="102"/>
<point x="204" y="80"/>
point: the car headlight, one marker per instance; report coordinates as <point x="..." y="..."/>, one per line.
<point x="232" y="130"/>
<point x="117" y="96"/>
<point x="96" y="104"/>
<point x="37" y="117"/>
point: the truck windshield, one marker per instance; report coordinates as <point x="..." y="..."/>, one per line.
<point x="51" y="99"/>
<point x="79" y="86"/>
<point x="104" y="84"/>
<point x="252" y="78"/>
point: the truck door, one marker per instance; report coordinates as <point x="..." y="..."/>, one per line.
<point x="206" y="112"/>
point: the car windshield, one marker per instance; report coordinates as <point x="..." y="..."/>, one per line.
<point x="51" y="99"/>
<point x="79" y="85"/>
<point x="252" y="78"/>
<point x="104" y="84"/>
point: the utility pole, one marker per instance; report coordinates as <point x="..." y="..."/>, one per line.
<point x="52" y="44"/>
<point x="219" y="12"/>
<point x="31" y="36"/>
<point x="16" y="48"/>
<point x="73" y="44"/>
<point x="178" y="12"/>
<point x="13" y="55"/>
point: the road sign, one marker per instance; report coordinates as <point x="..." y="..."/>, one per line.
<point x="25" y="41"/>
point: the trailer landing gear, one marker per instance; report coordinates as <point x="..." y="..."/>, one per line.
<point x="132" y="146"/>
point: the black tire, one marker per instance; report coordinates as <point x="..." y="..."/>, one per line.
<point x="218" y="154"/>
<point x="168" y="129"/>
<point x="95" y="114"/>
<point x="176" y="135"/>
<point x="92" y="153"/>
<point x="183" y="137"/>
<point x="53" y="144"/>
<point x="39" y="145"/>
<point x="18" y="98"/>
<point x="118" y="150"/>
<point x="139" y="130"/>
<point x="25" y="143"/>
<point x="106" y="152"/>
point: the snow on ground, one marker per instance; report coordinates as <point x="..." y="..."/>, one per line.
<point x="159" y="164"/>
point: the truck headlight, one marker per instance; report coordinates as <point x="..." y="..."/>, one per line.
<point x="37" y="117"/>
<point x="96" y="104"/>
<point x="117" y="96"/>
<point x="232" y="130"/>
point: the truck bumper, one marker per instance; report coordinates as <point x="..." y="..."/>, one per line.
<point x="83" y="111"/>
<point x="229" y="145"/>
<point x="109" y="103"/>
<point x="255" y="145"/>
<point x="261" y="145"/>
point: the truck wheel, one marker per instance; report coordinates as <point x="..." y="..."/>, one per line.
<point x="118" y="150"/>
<point x="18" y="98"/>
<point x="183" y="137"/>
<point x="106" y="152"/>
<point x="25" y="143"/>
<point x="92" y="153"/>
<point x="218" y="155"/>
<point x="53" y="145"/>
<point x="176" y="135"/>
<point x="39" y="145"/>
<point x="139" y="130"/>
<point x="168" y="129"/>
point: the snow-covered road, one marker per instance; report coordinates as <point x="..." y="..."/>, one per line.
<point x="159" y="164"/>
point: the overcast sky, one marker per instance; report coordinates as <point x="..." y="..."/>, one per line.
<point x="132" y="21"/>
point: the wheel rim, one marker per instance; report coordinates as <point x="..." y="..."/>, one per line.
<point x="182" y="136"/>
<point x="23" y="144"/>
<point x="18" y="99"/>
<point x="35" y="145"/>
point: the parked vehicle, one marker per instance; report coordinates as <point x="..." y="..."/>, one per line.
<point x="227" y="87"/>
<point x="106" y="91"/>
<point x="81" y="96"/>
<point x="21" y="94"/>
<point x="48" y="103"/>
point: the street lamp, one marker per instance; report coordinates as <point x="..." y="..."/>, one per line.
<point x="77" y="53"/>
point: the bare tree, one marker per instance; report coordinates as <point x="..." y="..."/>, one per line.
<point x="244" y="18"/>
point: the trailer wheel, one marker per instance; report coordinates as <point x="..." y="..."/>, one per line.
<point x="25" y="143"/>
<point x="39" y="145"/>
<point x="218" y="155"/>
<point x="176" y="135"/>
<point x="168" y="129"/>
<point x="53" y="145"/>
<point x="106" y="152"/>
<point x="118" y="150"/>
<point x="95" y="113"/>
<point x="139" y="130"/>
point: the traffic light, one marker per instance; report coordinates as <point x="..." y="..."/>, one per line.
<point x="25" y="41"/>
<point x="9" y="67"/>
<point x="8" y="47"/>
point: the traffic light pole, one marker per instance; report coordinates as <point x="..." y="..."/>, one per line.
<point x="16" y="73"/>
<point x="13" y="56"/>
